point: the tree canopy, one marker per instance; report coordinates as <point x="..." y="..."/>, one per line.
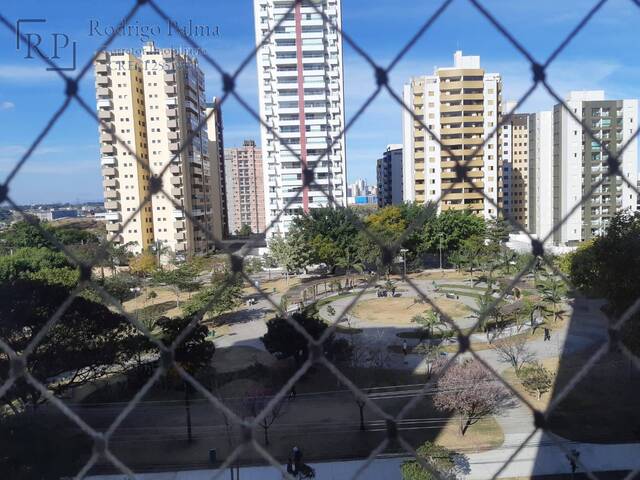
<point x="86" y="341"/>
<point x="609" y="267"/>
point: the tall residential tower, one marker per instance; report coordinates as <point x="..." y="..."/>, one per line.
<point x="154" y="103"/>
<point x="300" y="81"/>
<point x="461" y="105"/>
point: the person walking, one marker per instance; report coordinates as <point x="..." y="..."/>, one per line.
<point x="405" y="350"/>
<point x="297" y="458"/>
<point x="547" y="334"/>
<point x="292" y="392"/>
<point x="573" y="457"/>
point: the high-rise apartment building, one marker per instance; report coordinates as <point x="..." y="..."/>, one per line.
<point x="515" y="154"/>
<point x="462" y="106"/>
<point x="389" y="176"/>
<point x="245" y="187"/>
<point x="541" y="174"/>
<point x="217" y="177"/>
<point x="579" y="162"/>
<point x="300" y="79"/>
<point x="154" y="103"/>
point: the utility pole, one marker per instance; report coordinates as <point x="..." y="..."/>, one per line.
<point x="440" y="248"/>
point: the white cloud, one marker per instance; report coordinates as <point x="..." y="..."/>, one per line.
<point x="6" y="105"/>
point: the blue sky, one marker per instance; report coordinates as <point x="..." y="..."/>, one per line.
<point x="66" y="167"/>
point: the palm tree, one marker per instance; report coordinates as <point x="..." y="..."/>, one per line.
<point x="551" y="289"/>
<point x="349" y="262"/>
<point x="486" y="310"/>
<point x="427" y="321"/>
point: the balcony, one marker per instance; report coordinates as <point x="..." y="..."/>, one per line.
<point x="172" y="112"/>
<point x="112" y="205"/>
<point x="106" y="137"/>
<point x="176" y="192"/>
<point x="104" y="103"/>
<point x="176" y="181"/>
<point x="107" y="150"/>
<point x="178" y="214"/>
<point x="105" y="115"/>
<point x="113" y="227"/>
<point x="109" y="172"/>
<point x="113" y="216"/>
<point x="102" y="68"/>
<point x="103" y="80"/>
<point x="110" y="183"/>
<point x="107" y="161"/>
<point x="175" y="169"/>
<point x="179" y="224"/>
<point x="111" y="194"/>
<point x="103" y="92"/>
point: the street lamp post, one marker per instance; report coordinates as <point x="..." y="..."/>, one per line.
<point x="404" y="251"/>
<point x="440" y="248"/>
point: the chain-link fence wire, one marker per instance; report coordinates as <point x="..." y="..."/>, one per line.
<point x="19" y="367"/>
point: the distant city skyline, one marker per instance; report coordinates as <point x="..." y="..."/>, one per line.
<point x="29" y="95"/>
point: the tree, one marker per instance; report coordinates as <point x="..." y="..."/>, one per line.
<point x="87" y="342"/>
<point x="144" y="264"/>
<point x="445" y="462"/>
<point x="256" y="401"/>
<point x="427" y="321"/>
<point x="497" y="231"/>
<point x="552" y="290"/>
<point x="487" y="310"/>
<point x="221" y="296"/>
<point x="449" y="229"/>
<point x="471" y="392"/>
<point x="536" y="379"/>
<point x="244" y="231"/>
<point x="608" y="267"/>
<point x="39" y="264"/>
<point x="193" y="353"/>
<point x="473" y="253"/>
<point x="513" y="351"/>
<point x="284" y="341"/>
<point x="121" y="286"/>
<point x="327" y="233"/>
<point x="180" y="279"/>
<point x="290" y="253"/>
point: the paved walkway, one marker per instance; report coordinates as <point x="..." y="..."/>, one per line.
<point x="539" y="458"/>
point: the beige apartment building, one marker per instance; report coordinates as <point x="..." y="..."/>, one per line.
<point x="461" y="105"/>
<point x="154" y="103"/>
<point x="245" y="187"/>
<point x="516" y="167"/>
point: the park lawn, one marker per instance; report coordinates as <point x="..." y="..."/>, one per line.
<point x="400" y="310"/>
<point x="164" y="295"/>
<point x="439" y="275"/>
<point x="485" y="435"/>
<point x="280" y="285"/>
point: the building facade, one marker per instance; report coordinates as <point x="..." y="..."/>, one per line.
<point x="389" y="176"/>
<point x="245" y="187"/>
<point x="462" y="106"/>
<point x="541" y="174"/>
<point x="579" y="162"/>
<point x="300" y="81"/>
<point x="217" y="178"/>
<point x="154" y="103"/>
<point x="515" y="168"/>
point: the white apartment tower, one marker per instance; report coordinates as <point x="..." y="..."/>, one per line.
<point x="153" y="103"/>
<point x="579" y="162"/>
<point x="300" y="81"/>
<point x="462" y="106"/>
